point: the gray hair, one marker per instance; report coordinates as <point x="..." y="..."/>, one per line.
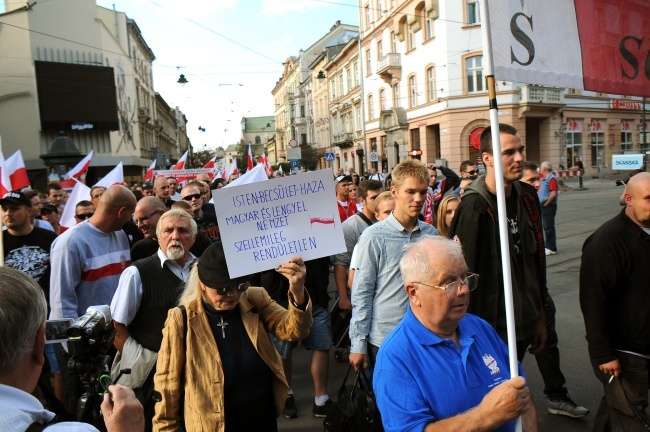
<point x="176" y="213"/>
<point x="23" y="310"/>
<point x="546" y="166"/>
<point x="415" y="265"/>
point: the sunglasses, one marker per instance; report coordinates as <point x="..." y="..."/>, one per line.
<point x="472" y="172"/>
<point x="191" y="197"/>
<point x="240" y="288"/>
<point x="84" y="216"/>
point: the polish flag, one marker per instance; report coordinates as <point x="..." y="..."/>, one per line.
<point x="233" y="169"/>
<point x="267" y="166"/>
<point x="116" y="176"/>
<point x="181" y="162"/>
<point x="604" y="44"/>
<point x="5" y="181"/>
<point x="250" y="158"/>
<point x="80" y="192"/>
<point x="210" y="163"/>
<point x="17" y="171"/>
<point x="149" y="174"/>
<point x="81" y="168"/>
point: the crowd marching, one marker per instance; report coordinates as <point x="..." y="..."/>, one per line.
<point x="421" y="278"/>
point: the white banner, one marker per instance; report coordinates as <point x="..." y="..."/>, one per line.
<point x="627" y="161"/>
<point x="265" y="224"/>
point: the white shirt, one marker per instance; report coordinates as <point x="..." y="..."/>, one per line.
<point x="19" y="409"/>
<point x="127" y="298"/>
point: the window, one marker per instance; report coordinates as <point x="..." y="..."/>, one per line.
<point x="258" y="139"/>
<point x="428" y="28"/>
<point x="396" y="101"/>
<point x="473" y="12"/>
<point x="380" y="50"/>
<point x="368" y="69"/>
<point x="474" y="69"/>
<point x="302" y="110"/>
<point x="341" y="88"/>
<point x="626" y="135"/>
<point x="431" y="84"/>
<point x="393" y="41"/>
<point x="380" y="8"/>
<point x="356" y="74"/>
<point x="371" y="108"/>
<point x="357" y="110"/>
<point x="348" y="75"/>
<point x="382" y="99"/>
<point x="573" y="140"/>
<point x="413" y="92"/>
<point x="335" y="125"/>
<point x="333" y="89"/>
<point x="598" y="147"/>
<point x="411" y="37"/>
<point x="367" y="17"/>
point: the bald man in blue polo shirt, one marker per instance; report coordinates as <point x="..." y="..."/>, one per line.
<point x="452" y="367"/>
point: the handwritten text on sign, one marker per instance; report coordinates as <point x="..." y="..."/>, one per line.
<point x="265" y="224"/>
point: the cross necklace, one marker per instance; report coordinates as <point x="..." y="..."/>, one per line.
<point x="223" y="324"/>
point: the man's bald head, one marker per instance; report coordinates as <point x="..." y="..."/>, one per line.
<point x="114" y="209"/>
<point x="116" y="197"/>
<point x="161" y="188"/>
<point x="149" y="204"/>
<point x="147" y="213"/>
<point x="637" y="199"/>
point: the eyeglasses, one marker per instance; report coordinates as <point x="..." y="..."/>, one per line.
<point x="240" y="287"/>
<point x="453" y="288"/>
<point x="143" y="220"/>
<point x="191" y="197"/>
<point x="472" y="172"/>
<point x="84" y="216"/>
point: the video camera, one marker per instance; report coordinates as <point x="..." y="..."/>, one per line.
<point x="91" y="334"/>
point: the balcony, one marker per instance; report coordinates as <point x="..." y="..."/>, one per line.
<point x="535" y="94"/>
<point x="389" y="68"/>
<point x="300" y="120"/>
<point x="144" y="114"/>
<point x="343" y="140"/>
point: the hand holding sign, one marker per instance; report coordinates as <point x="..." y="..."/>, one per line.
<point x="296" y="272"/>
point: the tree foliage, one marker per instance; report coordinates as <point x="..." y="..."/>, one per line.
<point x="201" y="157"/>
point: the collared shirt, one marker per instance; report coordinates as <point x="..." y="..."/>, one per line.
<point x="437" y="380"/>
<point x="19" y="409"/>
<point x="352" y="229"/>
<point x="127" y="298"/>
<point x="378" y="297"/>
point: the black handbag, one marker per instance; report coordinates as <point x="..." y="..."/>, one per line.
<point x="356" y="409"/>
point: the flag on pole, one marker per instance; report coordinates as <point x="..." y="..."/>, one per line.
<point x="257" y="174"/>
<point x="81" y="168"/>
<point x="150" y="170"/>
<point x="250" y="159"/>
<point x="116" y="176"/>
<point x="181" y="162"/>
<point x="17" y="172"/>
<point x="210" y="163"/>
<point x="5" y="182"/>
<point x="600" y="46"/>
<point x="280" y="168"/>
<point x="80" y="192"/>
<point x="264" y="160"/>
<point x="223" y="172"/>
<point x="233" y="169"/>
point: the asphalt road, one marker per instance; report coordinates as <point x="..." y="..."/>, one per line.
<point x="580" y="212"/>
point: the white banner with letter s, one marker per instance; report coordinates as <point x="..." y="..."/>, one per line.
<point x="265" y="224"/>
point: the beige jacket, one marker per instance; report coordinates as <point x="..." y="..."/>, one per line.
<point x="203" y="375"/>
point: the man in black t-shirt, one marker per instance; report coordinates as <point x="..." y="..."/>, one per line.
<point x="206" y="222"/>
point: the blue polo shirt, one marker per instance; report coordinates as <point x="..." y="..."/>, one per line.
<point x="420" y="378"/>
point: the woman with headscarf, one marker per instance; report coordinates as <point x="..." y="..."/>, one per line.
<point x="218" y="370"/>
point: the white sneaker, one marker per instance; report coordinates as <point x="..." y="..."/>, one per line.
<point x="549" y="252"/>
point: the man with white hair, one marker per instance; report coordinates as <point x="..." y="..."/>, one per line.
<point x="442" y="369"/>
<point x="23" y="311"/>
<point x="145" y="293"/>
<point x="548" y="195"/>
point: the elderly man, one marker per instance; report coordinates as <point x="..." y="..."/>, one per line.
<point x="442" y="369"/>
<point x="548" y="195"/>
<point x="614" y="299"/>
<point x="206" y="222"/>
<point x="23" y="311"/>
<point x="162" y="191"/>
<point x="146" y="292"/>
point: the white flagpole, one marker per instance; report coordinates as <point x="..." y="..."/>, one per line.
<point x="488" y="64"/>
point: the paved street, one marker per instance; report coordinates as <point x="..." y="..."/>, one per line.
<point x="579" y="214"/>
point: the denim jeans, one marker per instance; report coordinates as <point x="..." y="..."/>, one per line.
<point x="548" y="222"/>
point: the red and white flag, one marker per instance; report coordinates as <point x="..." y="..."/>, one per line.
<point x="5" y="182"/>
<point x="210" y="163"/>
<point x="264" y="160"/>
<point x="17" y="172"/>
<point x="116" y="176"/>
<point x="250" y="159"/>
<point x="181" y="162"/>
<point x="233" y="169"/>
<point x="81" y="168"/>
<point x="150" y="170"/>
<point x="80" y="192"/>
<point x="595" y="45"/>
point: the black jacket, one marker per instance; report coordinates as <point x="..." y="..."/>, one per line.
<point x="476" y="226"/>
<point x="615" y="289"/>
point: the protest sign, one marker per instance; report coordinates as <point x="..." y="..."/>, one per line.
<point x="265" y="224"/>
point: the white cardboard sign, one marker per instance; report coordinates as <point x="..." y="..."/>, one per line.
<point x="627" y="161"/>
<point x="265" y="224"/>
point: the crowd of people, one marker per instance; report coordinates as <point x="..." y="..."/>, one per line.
<point x="421" y="275"/>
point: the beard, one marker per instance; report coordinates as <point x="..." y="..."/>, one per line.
<point x="175" y="251"/>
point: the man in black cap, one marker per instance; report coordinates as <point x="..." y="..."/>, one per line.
<point x="347" y="207"/>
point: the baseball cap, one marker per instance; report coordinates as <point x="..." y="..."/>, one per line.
<point x="340" y="178"/>
<point x="49" y="207"/>
<point x="15" y="197"/>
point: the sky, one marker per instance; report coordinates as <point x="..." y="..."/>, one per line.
<point x="230" y="51"/>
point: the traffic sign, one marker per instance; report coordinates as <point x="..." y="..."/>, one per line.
<point x="293" y="143"/>
<point x="294" y="164"/>
<point x="374" y="156"/>
<point x="329" y="156"/>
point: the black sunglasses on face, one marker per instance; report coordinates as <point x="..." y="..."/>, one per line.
<point x="84" y="216"/>
<point x="191" y="197"/>
<point x="241" y="287"/>
<point x="472" y="172"/>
